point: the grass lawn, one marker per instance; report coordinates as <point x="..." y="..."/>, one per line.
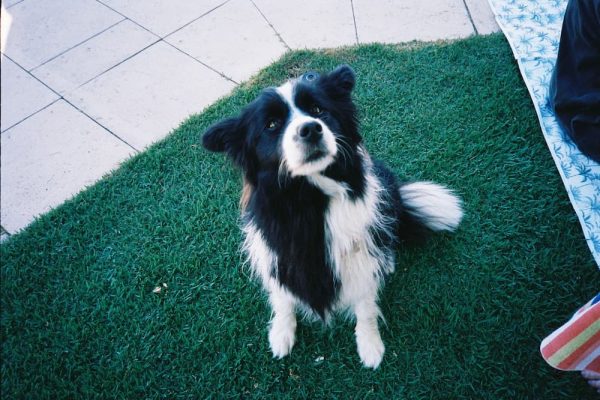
<point x="465" y="314"/>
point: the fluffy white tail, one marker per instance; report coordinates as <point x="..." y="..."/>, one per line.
<point x="433" y="205"/>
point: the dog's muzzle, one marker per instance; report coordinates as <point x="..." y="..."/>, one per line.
<point x="310" y="132"/>
<point x="310" y="136"/>
<point x="308" y="147"/>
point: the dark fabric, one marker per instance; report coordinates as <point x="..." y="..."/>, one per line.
<point x="575" y="86"/>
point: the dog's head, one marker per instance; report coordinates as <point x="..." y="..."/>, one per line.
<point x="300" y="128"/>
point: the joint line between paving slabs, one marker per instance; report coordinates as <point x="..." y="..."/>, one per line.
<point x="222" y="75"/>
<point x="95" y="121"/>
<point x="272" y="27"/>
<point x="128" y="19"/>
<point x="196" y="19"/>
<point x="120" y="62"/>
<point x="30" y="115"/>
<point x="14" y="4"/>
<point x="77" y="45"/>
<point x="470" y="17"/>
<point x="154" y="33"/>
<point x="354" y="19"/>
<point x="163" y="39"/>
<point x="40" y="81"/>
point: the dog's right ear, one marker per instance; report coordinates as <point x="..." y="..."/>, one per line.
<point x="340" y="81"/>
<point x="224" y="136"/>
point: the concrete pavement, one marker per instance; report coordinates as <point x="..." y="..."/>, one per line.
<point x="88" y="83"/>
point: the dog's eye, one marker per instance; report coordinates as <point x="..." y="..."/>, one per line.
<point x="316" y="110"/>
<point x="273" y="124"/>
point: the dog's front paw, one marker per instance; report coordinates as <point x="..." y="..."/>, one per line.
<point x="370" y="349"/>
<point x="282" y="337"/>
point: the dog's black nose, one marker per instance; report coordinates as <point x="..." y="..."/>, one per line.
<point x="311" y="131"/>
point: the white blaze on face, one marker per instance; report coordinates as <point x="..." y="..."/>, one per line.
<point x="295" y="151"/>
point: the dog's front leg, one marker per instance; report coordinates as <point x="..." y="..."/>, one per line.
<point x="282" y="332"/>
<point x="368" y="340"/>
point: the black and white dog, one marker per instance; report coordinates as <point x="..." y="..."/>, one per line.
<point x="322" y="219"/>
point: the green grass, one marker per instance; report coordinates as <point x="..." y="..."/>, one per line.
<point x="465" y="314"/>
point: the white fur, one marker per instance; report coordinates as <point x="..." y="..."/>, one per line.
<point x="358" y="263"/>
<point x="262" y="259"/>
<point x="434" y="205"/>
<point x="293" y="149"/>
<point x="368" y="340"/>
<point x="282" y="331"/>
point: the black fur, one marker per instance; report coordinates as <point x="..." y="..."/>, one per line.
<point x="322" y="220"/>
<point x="408" y="229"/>
<point x="291" y="219"/>
<point x="290" y="211"/>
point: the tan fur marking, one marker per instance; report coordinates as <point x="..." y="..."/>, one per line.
<point x="246" y="193"/>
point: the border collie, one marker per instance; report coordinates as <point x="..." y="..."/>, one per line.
<point x="321" y="219"/>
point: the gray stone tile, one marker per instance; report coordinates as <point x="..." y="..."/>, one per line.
<point x="22" y="94"/>
<point x="10" y="3"/>
<point x="234" y="40"/>
<point x="34" y="31"/>
<point x="163" y="16"/>
<point x="95" y="56"/>
<point x="311" y="23"/>
<point x="148" y="95"/>
<point x="48" y="158"/>
<point x="393" y="21"/>
<point x="482" y="16"/>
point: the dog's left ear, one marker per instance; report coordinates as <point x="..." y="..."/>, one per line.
<point x="225" y="136"/>
<point x="341" y="80"/>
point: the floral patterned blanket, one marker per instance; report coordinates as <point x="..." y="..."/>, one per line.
<point x="532" y="27"/>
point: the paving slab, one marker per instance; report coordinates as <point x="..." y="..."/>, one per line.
<point x="35" y="31"/>
<point x="311" y="23"/>
<point x="95" y="56"/>
<point x="144" y="98"/>
<point x="163" y="16"/>
<point x="482" y="16"/>
<point x="390" y="21"/>
<point x="21" y="94"/>
<point x="48" y="158"/>
<point x="10" y="3"/>
<point x="106" y="57"/>
<point x="234" y="39"/>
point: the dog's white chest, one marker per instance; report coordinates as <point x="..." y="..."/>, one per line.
<point x="347" y="228"/>
<point x="348" y="231"/>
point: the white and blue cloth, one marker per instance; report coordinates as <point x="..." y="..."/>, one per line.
<point x="532" y="27"/>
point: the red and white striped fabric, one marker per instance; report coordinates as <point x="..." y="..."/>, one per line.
<point x="575" y="346"/>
